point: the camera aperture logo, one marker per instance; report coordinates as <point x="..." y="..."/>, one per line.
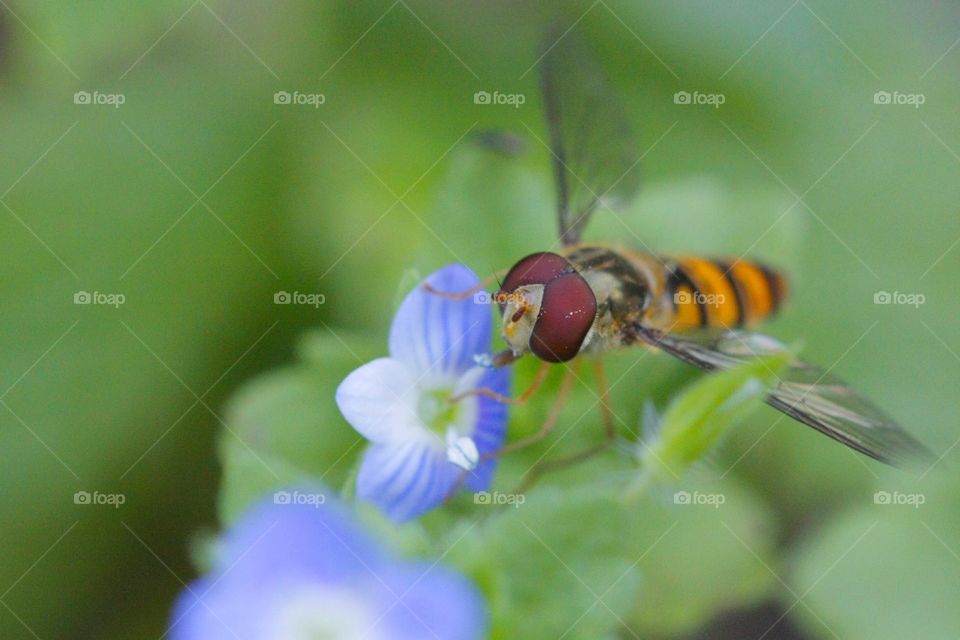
<point x="498" y="498"/>
<point x="299" y="497"/>
<point x="115" y="100"/>
<point x="697" y="98"/>
<point x="899" y="298"/>
<point x="698" y="498"/>
<point x="99" y="298"/>
<point x="96" y="498"/>
<point x="897" y="98"/>
<point x="298" y="98"/>
<point x="297" y="297"/>
<point x="515" y="100"/>
<point x="898" y="498"/>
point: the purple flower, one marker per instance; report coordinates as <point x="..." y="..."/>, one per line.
<point x="300" y="570"/>
<point x="422" y="444"/>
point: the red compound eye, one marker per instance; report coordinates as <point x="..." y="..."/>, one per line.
<point x="567" y="312"/>
<point x="537" y="268"/>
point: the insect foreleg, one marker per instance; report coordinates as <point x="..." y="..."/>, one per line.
<point x="462" y="295"/>
<point x="521" y="399"/>
<point x="564" y="392"/>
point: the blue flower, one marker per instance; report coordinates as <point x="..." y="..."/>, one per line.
<point x="298" y="570"/>
<point x="422" y="444"/>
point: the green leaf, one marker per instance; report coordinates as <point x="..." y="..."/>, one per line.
<point x="249" y="475"/>
<point x="716" y="557"/>
<point x="704" y="411"/>
<point x="576" y="563"/>
<point x="888" y="570"/>
<point x="498" y="207"/>
<point x="543" y="563"/>
<point x="284" y="427"/>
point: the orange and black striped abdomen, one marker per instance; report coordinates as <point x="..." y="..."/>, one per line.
<point x="718" y="293"/>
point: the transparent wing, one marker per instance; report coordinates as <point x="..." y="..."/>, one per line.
<point x="805" y="392"/>
<point x="596" y="155"/>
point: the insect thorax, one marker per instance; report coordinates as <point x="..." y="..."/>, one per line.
<point x="622" y="289"/>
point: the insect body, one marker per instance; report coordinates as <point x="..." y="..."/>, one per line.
<point x="679" y="294"/>
<point x="588" y="298"/>
<point x="607" y="292"/>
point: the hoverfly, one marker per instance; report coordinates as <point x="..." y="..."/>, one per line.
<point x="587" y="298"/>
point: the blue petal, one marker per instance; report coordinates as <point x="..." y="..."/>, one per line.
<point x="190" y="618"/>
<point x="216" y="610"/>
<point x="490" y="430"/>
<point x="438" y="335"/>
<point x="272" y="548"/>
<point x="406" y="480"/>
<point x="320" y="540"/>
<point x="429" y="601"/>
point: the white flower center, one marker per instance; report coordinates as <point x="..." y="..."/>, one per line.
<point x="436" y="410"/>
<point x="323" y="613"/>
<point x="444" y="418"/>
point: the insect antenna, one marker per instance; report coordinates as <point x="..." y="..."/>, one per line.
<point x="496" y="276"/>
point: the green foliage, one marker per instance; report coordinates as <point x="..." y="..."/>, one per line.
<point x="727" y="222"/>
<point x="886" y="569"/>
<point x="545" y="573"/>
<point x="702" y="414"/>
<point x="283" y="427"/>
<point x="714" y="558"/>
<point x="879" y="213"/>
<point x="572" y="557"/>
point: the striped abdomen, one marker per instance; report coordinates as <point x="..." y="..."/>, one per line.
<point x="717" y="293"/>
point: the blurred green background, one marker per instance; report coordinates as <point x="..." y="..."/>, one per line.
<point x="199" y="198"/>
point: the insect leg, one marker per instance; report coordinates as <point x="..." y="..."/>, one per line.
<point x="462" y="295"/>
<point x="547" y="466"/>
<point x="562" y="394"/>
<point x="565" y="387"/>
<point x="601" y="373"/>
<point x="532" y="476"/>
<point x="521" y="399"/>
